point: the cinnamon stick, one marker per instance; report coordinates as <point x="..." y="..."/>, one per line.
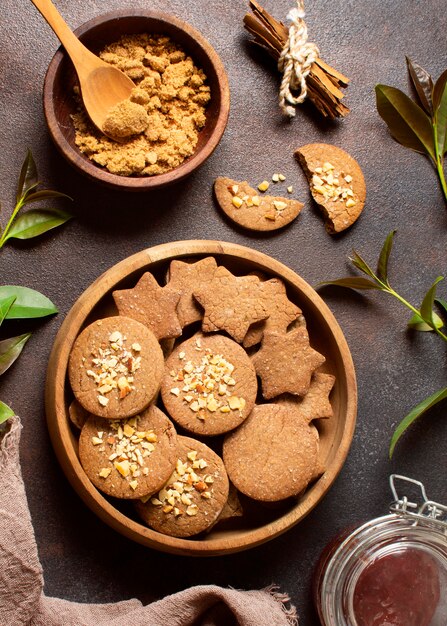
<point x="324" y="83"/>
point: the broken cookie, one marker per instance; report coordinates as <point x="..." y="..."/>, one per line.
<point x="336" y="183"/>
<point x="285" y="363"/>
<point x="245" y="206"/>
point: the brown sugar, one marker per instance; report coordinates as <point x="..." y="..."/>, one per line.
<point x="170" y="91"/>
<point x="125" y="119"/>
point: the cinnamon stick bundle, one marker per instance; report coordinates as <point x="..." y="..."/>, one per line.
<point x="323" y="82"/>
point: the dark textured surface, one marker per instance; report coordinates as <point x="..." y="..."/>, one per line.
<point x="367" y="41"/>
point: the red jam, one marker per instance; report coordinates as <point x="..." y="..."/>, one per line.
<point x="398" y="589"/>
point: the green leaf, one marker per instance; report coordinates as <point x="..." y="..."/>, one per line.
<point x="36" y="222"/>
<point x="417" y="323"/>
<point x="442" y="303"/>
<point x="5" y="412"/>
<point x="426" y="309"/>
<point x="423" y="83"/>
<point x="45" y="194"/>
<point x="382" y="266"/>
<point x="29" y="303"/>
<point x="351" y="282"/>
<point x="441" y="123"/>
<point x="361" y="264"/>
<point x="10" y="350"/>
<point x="406" y="121"/>
<point x="5" y="305"/>
<point x="439" y="89"/>
<point x="416" y="412"/>
<point x="28" y="176"/>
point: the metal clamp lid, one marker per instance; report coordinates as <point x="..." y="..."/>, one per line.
<point x="424" y="509"/>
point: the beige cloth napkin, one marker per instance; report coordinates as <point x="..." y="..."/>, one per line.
<point x="22" y="600"/>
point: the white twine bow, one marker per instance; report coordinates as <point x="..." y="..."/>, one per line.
<point x="295" y="61"/>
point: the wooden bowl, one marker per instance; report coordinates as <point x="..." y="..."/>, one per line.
<point x="264" y="523"/>
<point x="59" y="103"/>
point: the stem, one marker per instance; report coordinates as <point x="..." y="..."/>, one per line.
<point x="439" y="158"/>
<point x="441" y="175"/>
<point x="17" y="208"/>
<point x="391" y="291"/>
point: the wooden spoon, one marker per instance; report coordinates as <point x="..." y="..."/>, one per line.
<point x="102" y="85"/>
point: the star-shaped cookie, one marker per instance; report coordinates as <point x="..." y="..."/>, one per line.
<point x="281" y="312"/>
<point x="186" y="278"/>
<point x="152" y="305"/>
<point x="285" y="363"/>
<point x="315" y="404"/>
<point x="231" y="303"/>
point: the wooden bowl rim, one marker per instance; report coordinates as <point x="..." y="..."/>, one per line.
<point x="147" y="183"/>
<point x="58" y="421"/>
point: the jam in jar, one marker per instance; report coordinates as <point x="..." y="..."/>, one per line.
<point x="391" y="571"/>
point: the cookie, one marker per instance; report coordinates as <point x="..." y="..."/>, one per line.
<point x="129" y="458"/>
<point x="250" y="209"/>
<point x="285" y="363"/>
<point x="115" y="367"/>
<point x="272" y="455"/>
<point x="194" y="495"/>
<point x="315" y="404"/>
<point x="209" y="385"/>
<point x="336" y="182"/>
<point x="152" y="305"/>
<point x="281" y="312"/>
<point x="186" y="278"/>
<point x="77" y="414"/>
<point x="231" y="303"/>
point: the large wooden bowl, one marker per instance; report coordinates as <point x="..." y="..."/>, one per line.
<point x="59" y="104"/>
<point x="325" y="335"/>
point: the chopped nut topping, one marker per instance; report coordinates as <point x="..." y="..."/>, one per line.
<point x="264" y="185"/>
<point x="182" y="485"/>
<point x="326" y="182"/>
<point x="237" y="202"/>
<point x="112" y="367"/>
<point x="128" y="447"/>
<point x="281" y="177"/>
<point x="275" y="178"/>
<point x="270" y="215"/>
<point x="206" y="385"/>
<point x="290" y="189"/>
<point x="279" y="206"/>
<point x="256" y="200"/>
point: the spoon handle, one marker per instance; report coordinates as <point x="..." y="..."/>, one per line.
<point x="71" y="43"/>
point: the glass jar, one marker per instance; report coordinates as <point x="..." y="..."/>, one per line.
<point x="391" y="571"/>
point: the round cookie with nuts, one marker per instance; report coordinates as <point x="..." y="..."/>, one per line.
<point x="273" y="455"/>
<point x="209" y="385"/>
<point x="336" y="182"/>
<point x="115" y="367"/>
<point x="129" y="458"/>
<point x="194" y="495"/>
<point x="245" y="206"/>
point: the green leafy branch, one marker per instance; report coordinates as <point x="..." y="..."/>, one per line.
<point x="423" y="318"/>
<point x="33" y="222"/>
<point x="422" y="125"/>
<point x="20" y="302"/>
